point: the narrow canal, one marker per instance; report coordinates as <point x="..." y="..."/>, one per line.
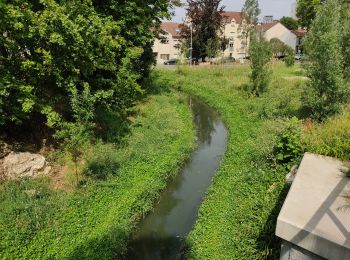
<point x="162" y="234"/>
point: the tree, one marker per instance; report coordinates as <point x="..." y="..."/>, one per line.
<point x="306" y="11"/>
<point x="345" y="41"/>
<point x="260" y="56"/>
<point x="326" y="87"/>
<point x="51" y="50"/>
<point x="250" y="13"/>
<point x="280" y="49"/>
<point x="206" y="19"/>
<point x="289" y="22"/>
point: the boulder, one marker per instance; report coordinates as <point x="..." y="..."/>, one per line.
<point x="18" y="165"/>
<point x="4" y="149"/>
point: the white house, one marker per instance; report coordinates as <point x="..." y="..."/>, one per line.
<point x="168" y="46"/>
<point x="279" y="31"/>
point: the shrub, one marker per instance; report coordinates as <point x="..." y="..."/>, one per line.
<point x="260" y="56"/>
<point x="288" y="148"/>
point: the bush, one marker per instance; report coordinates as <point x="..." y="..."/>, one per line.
<point x="288" y="148"/>
<point x="260" y="55"/>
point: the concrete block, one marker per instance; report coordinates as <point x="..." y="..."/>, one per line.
<point x="313" y="215"/>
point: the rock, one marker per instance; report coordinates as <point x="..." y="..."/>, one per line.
<point x="291" y="175"/>
<point x="18" y="165"/>
<point x="4" y="149"/>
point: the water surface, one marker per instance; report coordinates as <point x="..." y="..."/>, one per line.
<point x="161" y="235"/>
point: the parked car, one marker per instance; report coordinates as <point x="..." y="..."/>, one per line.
<point x="170" y="62"/>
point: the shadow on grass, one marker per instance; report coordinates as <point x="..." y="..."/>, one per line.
<point x="267" y="240"/>
<point x="110" y="245"/>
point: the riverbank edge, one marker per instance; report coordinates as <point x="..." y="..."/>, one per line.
<point x="77" y="234"/>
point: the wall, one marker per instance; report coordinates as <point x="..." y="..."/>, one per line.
<point x="282" y="33"/>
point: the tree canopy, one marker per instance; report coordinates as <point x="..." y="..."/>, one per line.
<point x="206" y="19"/>
<point x="62" y="60"/>
<point x="289" y="22"/>
<point x="306" y="11"/>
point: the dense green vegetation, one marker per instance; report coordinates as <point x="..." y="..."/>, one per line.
<point x="236" y="220"/>
<point x="95" y="220"/>
<point x="328" y="66"/>
<point x="61" y="62"/>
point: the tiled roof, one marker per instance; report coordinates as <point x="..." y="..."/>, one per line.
<point x="237" y="16"/>
<point x="171" y="28"/>
<point x="265" y="26"/>
<point x="299" y="32"/>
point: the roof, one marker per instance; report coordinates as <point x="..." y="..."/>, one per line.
<point x="265" y="26"/>
<point x="237" y="16"/>
<point x="299" y="32"/>
<point x="171" y="28"/>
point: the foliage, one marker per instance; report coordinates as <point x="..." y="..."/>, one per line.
<point x="345" y="38"/>
<point x="96" y="221"/>
<point x="237" y="217"/>
<point x="288" y="147"/>
<point x="289" y="59"/>
<point x="206" y="19"/>
<point x="280" y="49"/>
<point x="289" y="22"/>
<point x="251" y="11"/>
<point x="331" y="138"/>
<point x="260" y="55"/>
<point x="52" y="52"/>
<point x="306" y="11"/>
<point x="326" y="88"/>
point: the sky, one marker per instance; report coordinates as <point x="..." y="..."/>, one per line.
<point x="277" y="8"/>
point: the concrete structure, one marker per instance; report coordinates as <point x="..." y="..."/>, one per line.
<point x="313" y="219"/>
<point x="233" y="31"/>
<point x="168" y="45"/>
<point x="279" y="31"/>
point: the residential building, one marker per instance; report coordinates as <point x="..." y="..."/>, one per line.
<point x="233" y="32"/>
<point x="300" y="34"/>
<point x="279" y="31"/>
<point x="167" y="46"/>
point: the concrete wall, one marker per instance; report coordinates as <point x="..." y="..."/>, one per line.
<point x="280" y="32"/>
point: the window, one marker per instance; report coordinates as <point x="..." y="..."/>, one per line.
<point x="231" y="45"/>
<point x="232" y="37"/>
<point x="165" y="56"/>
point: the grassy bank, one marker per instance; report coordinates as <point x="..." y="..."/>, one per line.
<point x="237" y="218"/>
<point x="95" y="221"/>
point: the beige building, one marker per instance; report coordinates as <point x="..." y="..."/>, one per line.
<point x="233" y="32"/>
<point x="279" y="31"/>
<point x="168" y="45"/>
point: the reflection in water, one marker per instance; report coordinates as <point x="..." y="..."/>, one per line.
<point x="161" y="235"/>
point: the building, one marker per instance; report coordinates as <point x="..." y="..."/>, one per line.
<point x="300" y="34"/>
<point x="167" y="46"/>
<point x="233" y="32"/>
<point x="279" y="31"/>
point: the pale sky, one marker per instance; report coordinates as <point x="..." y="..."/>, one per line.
<point x="277" y="8"/>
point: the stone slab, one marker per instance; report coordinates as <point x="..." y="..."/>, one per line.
<point x="313" y="216"/>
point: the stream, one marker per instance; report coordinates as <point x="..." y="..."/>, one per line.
<point x="162" y="234"/>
